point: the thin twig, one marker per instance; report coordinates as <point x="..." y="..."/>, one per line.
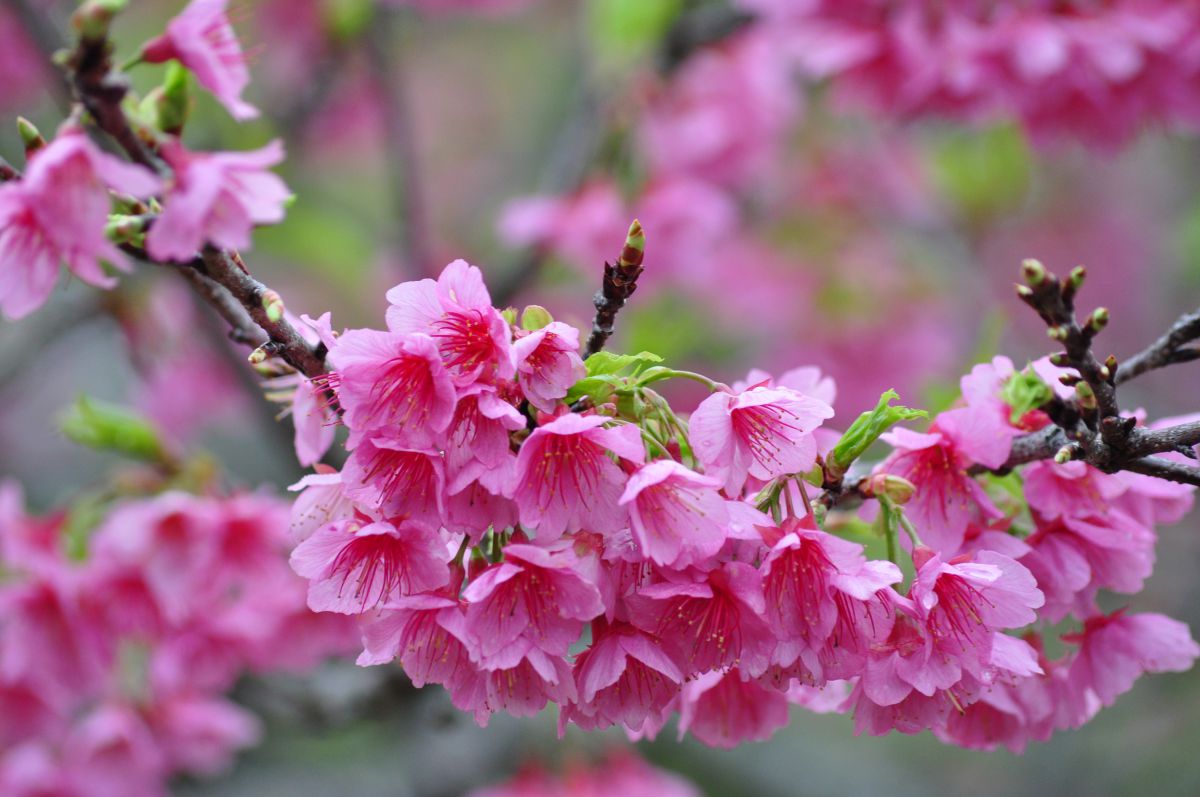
<point x="620" y="281"/>
<point x="1167" y="350"/>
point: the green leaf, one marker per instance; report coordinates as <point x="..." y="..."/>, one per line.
<point x="605" y="362"/>
<point x="1025" y="391"/>
<point x="108" y="427"/>
<point x="866" y="430"/>
<point x="83" y="517"/>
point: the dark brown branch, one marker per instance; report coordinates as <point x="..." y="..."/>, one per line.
<point x="1165" y="469"/>
<point x="1167" y="350"/>
<point x="620" y="281"/>
<point x="228" y="270"/>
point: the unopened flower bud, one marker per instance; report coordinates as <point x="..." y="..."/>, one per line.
<point x="1024" y="291"/>
<point x="635" y="246"/>
<point x="1061" y="359"/>
<point x="1057" y="333"/>
<point x="1098" y="320"/>
<point x="887" y="485"/>
<point x="272" y="302"/>
<point x="258" y="356"/>
<point x="172" y="103"/>
<point x="91" y="20"/>
<point x="1034" y="272"/>
<point x="1076" y="277"/>
<point x="30" y="137"/>
<point x="1064" y="454"/>
<point x="535" y="317"/>
<point x="1085" y="396"/>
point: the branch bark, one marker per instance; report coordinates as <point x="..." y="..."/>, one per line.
<point x="620" y="281"/>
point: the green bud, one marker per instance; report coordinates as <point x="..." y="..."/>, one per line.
<point x="635" y="245"/>
<point x="1099" y="319"/>
<point x="1076" y="278"/>
<point x="898" y="490"/>
<point x="258" y="356"/>
<point x="1057" y="333"/>
<point x="509" y="314"/>
<point x="173" y="104"/>
<point x="1085" y="396"/>
<point x="1034" y="272"/>
<point x="92" y="19"/>
<point x="1061" y="359"/>
<point x="272" y="302"/>
<point x="1064" y="454"/>
<point x="125" y="229"/>
<point x="30" y="137"/>
<point x="1024" y="291"/>
<point x="535" y="317"/>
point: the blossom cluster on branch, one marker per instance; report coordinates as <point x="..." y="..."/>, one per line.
<point x="524" y="527"/>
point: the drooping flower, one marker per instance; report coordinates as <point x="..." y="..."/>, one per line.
<point x="456" y="311"/>
<point x="820" y="597"/>
<point x="202" y="39"/>
<point x="425" y="632"/>
<point x="216" y="198"/>
<point x="625" y="676"/>
<point x="676" y="515"/>
<point x="356" y="565"/>
<point x="384" y="476"/>
<point x="477" y="439"/>
<point x="536" y="598"/>
<point x="395" y="384"/>
<point x="724" y="709"/>
<point x="947" y="500"/>
<point x="1116" y="649"/>
<point x="57" y="214"/>
<point x="548" y="364"/>
<point x="761" y="433"/>
<point x="714" y="619"/>
<point x="566" y="480"/>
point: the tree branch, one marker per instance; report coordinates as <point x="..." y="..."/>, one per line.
<point x="620" y="281"/>
<point x="1167" y="350"/>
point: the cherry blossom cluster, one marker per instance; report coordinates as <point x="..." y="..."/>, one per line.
<point x="621" y="772"/>
<point x="524" y="527"/>
<point x="1097" y="71"/>
<point x="120" y="636"/>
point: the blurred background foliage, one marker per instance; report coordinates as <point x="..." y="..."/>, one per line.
<point x="882" y="251"/>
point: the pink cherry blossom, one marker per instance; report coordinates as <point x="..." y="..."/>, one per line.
<point x="676" y="515"/>
<point x="217" y="199"/>
<point x="392" y="383"/>
<point x="353" y="566"/>
<point x="57" y="214"/>
<point x="456" y="311"/>
<point x="1116" y="649"/>
<point x="565" y="479"/>
<point x="533" y="598"/>
<point x="724" y="709"/>
<point x="548" y="364"/>
<point x="762" y="433"/>
<point x="947" y="501"/>
<point x="202" y="39"/>
<point x="715" y="620"/>
<point x="425" y="633"/>
<point x="625" y="676"/>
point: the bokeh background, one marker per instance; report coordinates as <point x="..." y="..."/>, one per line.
<point x="785" y="227"/>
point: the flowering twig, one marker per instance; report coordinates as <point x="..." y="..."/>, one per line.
<point x="620" y="281"/>
<point x="101" y="93"/>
